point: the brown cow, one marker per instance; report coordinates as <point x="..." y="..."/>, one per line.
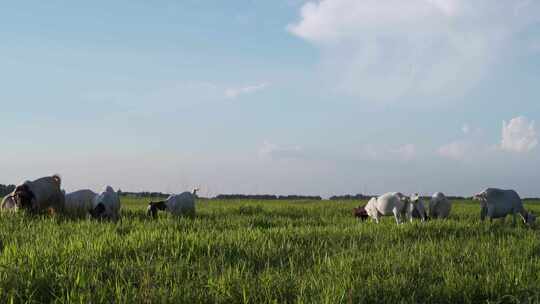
<point x="40" y="195"/>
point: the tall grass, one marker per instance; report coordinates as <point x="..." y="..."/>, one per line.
<point x="267" y="252"/>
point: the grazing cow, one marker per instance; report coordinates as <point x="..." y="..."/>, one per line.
<point x="106" y="205"/>
<point x="361" y="213"/>
<point x="8" y="203"/>
<point x="79" y="202"/>
<point x="40" y="195"/>
<point x="497" y="203"/>
<point x="416" y="208"/>
<point x="392" y="203"/>
<point x="178" y="204"/>
<point x="439" y="206"/>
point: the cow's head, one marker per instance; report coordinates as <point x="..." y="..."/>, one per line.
<point x="103" y="203"/>
<point x="417" y="207"/>
<point x="23" y="197"/>
<point x="98" y="211"/>
<point x="530" y="219"/>
<point x="153" y="208"/>
<point x="481" y="197"/>
<point x="402" y="196"/>
<point x="360" y="213"/>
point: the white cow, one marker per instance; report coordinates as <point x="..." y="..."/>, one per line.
<point x="416" y="208"/>
<point x="40" y="195"/>
<point x="79" y="202"/>
<point x="497" y="203"/>
<point x="178" y="204"/>
<point x="392" y="203"/>
<point x="106" y="205"/>
<point x="439" y="206"/>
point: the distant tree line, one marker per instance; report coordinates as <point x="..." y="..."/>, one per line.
<point x="351" y="197"/>
<point x="143" y="194"/>
<point x="6" y="189"/>
<point x="455" y="197"/>
<point x="266" y="197"/>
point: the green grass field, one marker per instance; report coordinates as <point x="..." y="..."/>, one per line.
<point x="268" y="252"/>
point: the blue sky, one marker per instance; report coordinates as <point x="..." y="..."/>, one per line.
<point x="315" y="97"/>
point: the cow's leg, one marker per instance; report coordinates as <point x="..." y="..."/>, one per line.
<point x="483" y="213"/>
<point x="397" y="215"/>
<point x="490" y="213"/>
<point x="514" y="215"/>
<point x="375" y="217"/>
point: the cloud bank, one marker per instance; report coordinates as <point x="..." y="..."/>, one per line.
<point x="519" y="135"/>
<point x="386" y="49"/>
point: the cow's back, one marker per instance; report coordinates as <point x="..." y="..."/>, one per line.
<point x="387" y="202"/>
<point x="181" y="203"/>
<point x="439" y="205"/>
<point x="502" y="202"/>
<point x="47" y="193"/>
<point x="81" y="200"/>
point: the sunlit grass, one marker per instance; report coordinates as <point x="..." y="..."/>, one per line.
<point x="267" y="252"/>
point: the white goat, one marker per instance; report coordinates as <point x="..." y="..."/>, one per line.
<point x="79" y="202"/>
<point x="106" y="205"/>
<point x="416" y="208"/>
<point x="439" y="206"/>
<point x="178" y="204"/>
<point x="498" y="203"/>
<point x="392" y="203"/>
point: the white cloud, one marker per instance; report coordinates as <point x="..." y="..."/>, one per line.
<point x="169" y="96"/>
<point x="386" y="49"/>
<point x="236" y="92"/>
<point x="275" y="152"/>
<point x="457" y="150"/>
<point x="519" y="135"/>
<point x="471" y="131"/>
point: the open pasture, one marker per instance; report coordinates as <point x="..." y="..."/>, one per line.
<point x="268" y="252"/>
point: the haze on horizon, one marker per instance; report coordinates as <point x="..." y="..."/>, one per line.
<point x="287" y="96"/>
